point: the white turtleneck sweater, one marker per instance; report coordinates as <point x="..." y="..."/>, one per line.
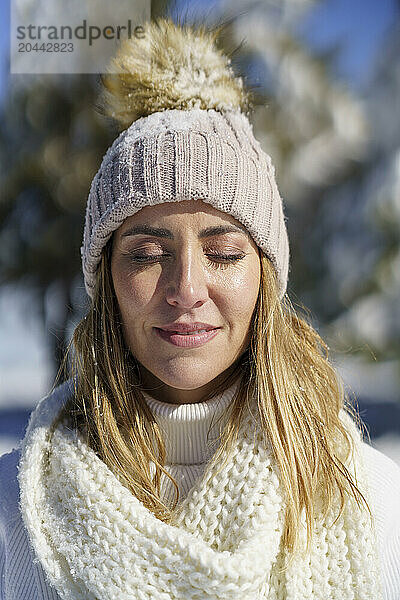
<point x="185" y="429"/>
<point x="191" y="434"/>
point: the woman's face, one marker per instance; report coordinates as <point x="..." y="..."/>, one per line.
<point x="187" y="269"/>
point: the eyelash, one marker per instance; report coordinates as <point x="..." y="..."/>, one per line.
<point x="230" y="258"/>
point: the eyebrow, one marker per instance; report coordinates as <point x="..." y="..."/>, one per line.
<point x="166" y="233"/>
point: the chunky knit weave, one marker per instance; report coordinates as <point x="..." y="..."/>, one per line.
<point x="95" y="540"/>
<point x="176" y="155"/>
<point x="191" y="433"/>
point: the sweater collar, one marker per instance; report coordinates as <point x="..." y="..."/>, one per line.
<point x="191" y="431"/>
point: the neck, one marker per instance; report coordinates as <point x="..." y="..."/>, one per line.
<point x="171" y="395"/>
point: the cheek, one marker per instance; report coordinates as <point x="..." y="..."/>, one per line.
<point x="133" y="293"/>
<point x="239" y="296"/>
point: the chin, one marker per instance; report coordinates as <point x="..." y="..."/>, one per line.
<point x="185" y="383"/>
<point x="191" y="377"/>
<point x="183" y="372"/>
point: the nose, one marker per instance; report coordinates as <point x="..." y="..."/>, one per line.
<point x="188" y="284"/>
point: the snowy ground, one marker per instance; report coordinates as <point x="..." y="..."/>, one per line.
<point x="7" y="444"/>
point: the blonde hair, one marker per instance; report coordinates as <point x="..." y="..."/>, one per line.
<point x="285" y="368"/>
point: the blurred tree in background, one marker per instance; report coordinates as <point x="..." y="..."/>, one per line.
<point x="51" y="140"/>
<point x="340" y="190"/>
<point x="362" y="223"/>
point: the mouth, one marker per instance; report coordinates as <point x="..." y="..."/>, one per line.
<point x="189" y="339"/>
<point x="195" y="332"/>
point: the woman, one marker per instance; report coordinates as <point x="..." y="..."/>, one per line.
<point x="202" y="447"/>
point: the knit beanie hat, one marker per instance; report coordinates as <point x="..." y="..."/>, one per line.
<point x="186" y="137"/>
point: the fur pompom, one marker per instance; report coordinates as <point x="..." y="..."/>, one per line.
<point x="170" y="67"/>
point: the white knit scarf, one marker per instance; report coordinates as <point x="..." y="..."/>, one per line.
<point x="96" y="541"/>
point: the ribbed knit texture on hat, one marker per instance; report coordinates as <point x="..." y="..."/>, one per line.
<point x="177" y="155"/>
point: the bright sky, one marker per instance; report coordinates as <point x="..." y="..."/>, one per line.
<point x="359" y="26"/>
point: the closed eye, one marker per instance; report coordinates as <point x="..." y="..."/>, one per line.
<point x="216" y="260"/>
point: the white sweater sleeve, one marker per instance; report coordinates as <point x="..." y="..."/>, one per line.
<point x="384" y="482"/>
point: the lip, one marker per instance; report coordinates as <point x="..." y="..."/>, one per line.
<point x="185" y="327"/>
<point x="187" y="341"/>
